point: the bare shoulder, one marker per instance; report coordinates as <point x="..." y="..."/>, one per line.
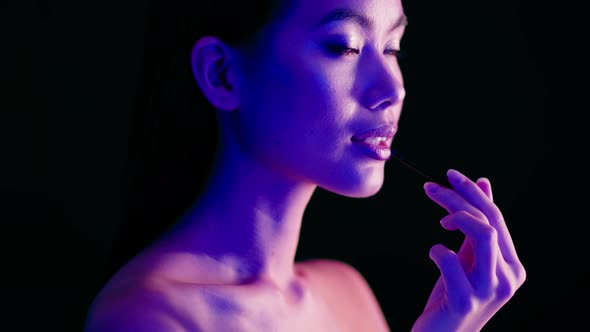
<point x="162" y="299"/>
<point x="347" y="291"/>
<point x="338" y="275"/>
<point x="142" y="306"/>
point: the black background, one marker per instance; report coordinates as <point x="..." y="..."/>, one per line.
<point x="81" y="160"/>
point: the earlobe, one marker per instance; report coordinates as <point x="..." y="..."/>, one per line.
<point x="213" y="69"/>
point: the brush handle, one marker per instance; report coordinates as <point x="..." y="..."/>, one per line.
<point x="443" y="181"/>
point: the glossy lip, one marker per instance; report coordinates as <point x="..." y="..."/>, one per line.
<point x="382" y="131"/>
<point x="381" y="151"/>
<point x="377" y="152"/>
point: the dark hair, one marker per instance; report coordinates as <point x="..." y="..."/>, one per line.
<point x="173" y="134"/>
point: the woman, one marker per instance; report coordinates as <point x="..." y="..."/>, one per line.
<point x="311" y="97"/>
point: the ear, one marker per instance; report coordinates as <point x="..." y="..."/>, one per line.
<point x="214" y="69"/>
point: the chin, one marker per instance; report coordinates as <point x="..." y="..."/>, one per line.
<point x="358" y="189"/>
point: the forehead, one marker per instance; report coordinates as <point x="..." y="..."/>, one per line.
<point x="367" y="14"/>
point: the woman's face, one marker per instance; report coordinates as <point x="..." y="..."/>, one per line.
<point x="323" y="73"/>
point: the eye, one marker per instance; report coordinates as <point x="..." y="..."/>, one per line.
<point x="396" y="53"/>
<point x="341" y="50"/>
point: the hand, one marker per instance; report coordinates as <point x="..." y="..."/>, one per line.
<point x="484" y="274"/>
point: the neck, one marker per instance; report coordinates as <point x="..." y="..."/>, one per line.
<point x="248" y="219"/>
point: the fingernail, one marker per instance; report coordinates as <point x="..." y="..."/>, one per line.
<point x="454" y="176"/>
<point x="445" y="220"/>
<point x="484" y="179"/>
<point x="431" y="187"/>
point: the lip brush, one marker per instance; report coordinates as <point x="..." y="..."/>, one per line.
<point x="443" y="181"/>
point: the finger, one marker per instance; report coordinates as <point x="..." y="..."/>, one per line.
<point x="465" y="254"/>
<point x="508" y="282"/>
<point x="456" y="282"/>
<point x="484" y="242"/>
<point x="476" y="196"/>
<point x="506" y="285"/>
<point x="485" y="186"/>
<point x="516" y="272"/>
<point x="450" y="200"/>
<point x="470" y="191"/>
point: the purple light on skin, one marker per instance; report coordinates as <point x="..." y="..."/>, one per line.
<point x="376" y="151"/>
<point x="222" y="304"/>
<point x="376" y="143"/>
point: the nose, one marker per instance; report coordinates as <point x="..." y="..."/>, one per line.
<point x="382" y="81"/>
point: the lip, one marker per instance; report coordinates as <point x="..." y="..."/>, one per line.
<point x="382" y="131"/>
<point x="380" y="150"/>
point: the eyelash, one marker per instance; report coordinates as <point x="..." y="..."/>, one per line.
<point x="343" y="50"/>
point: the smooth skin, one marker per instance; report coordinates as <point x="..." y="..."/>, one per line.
<point x="287" y="109"/>
<point x="485" y="273"/>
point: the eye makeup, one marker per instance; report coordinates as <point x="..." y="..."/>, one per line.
<point x="340" y="49"/>
<point x="443" y="181"/>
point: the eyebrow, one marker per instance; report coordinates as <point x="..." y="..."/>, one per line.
<point x="349" y="15"/>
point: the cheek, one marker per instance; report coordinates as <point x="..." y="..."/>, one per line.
<point x="308" y="95"/>
<point x="321" y="105"/>
<point x="332" y="101"/>
<point x="273" y="120"/>
<point x="297" y="109"/>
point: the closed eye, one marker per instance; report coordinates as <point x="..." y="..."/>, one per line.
<point x="343" y="50"/>
<point x="392" y="52"/>
<point x="340" y="50"/>
<point x="397" y="53"/>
